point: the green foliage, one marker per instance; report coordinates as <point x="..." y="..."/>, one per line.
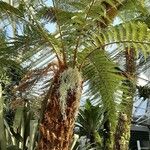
<point x="7" y="8"/>
<point x="90" y="123"/>
<point x="23" y="133"/>
<point x="8" y="55"/>
<point x="103" y="80"/>
<point x="84" y="33"/>
<point x="49" y="13"/>
<point x="130" y="34"/>
<point x="90" y="119"/>
<point x="144" y="92"/>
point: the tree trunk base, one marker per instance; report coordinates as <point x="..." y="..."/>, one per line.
<point x="122" y="135"/>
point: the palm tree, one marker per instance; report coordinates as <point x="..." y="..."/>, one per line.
<point x="80" y="44"/>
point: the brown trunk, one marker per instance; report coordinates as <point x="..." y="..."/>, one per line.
<point x="122" y="135"/>
<point x="57" y="126"/>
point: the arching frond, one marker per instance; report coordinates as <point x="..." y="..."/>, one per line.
<point x="130" y="34"/>
<point x="103" y="81"/>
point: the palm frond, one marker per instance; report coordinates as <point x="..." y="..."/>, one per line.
<point x="90" y="118"/>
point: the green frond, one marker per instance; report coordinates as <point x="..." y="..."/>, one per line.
<point x="130" y="34"/>
<point x="103" y="80"/>
<point x="47" y="13"/>
<point x="34" y="32"/>
<point x="52" y="14"/>
<point x="7" y="8"/>
<point x="92" y="11"/>
<point x="90" y="119"/>
<point x="90" y="122"/>
<point x="132" y="9"/>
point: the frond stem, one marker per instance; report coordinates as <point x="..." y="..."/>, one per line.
<point x="40" y="29"/>
<point x="44" y="34"/>
<point x="61" y="36"/>
<point x="79" y="37"/>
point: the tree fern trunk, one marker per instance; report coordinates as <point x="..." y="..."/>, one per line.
<point x="122" y="135"/>
<point x="63" y="102"/>
<point x="109" y="135"/>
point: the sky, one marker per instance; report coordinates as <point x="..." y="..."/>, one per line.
<point x="50" y="26"/>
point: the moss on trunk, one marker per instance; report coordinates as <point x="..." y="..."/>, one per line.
<point x="122" y="135"/>
<point x="108" y="136"/>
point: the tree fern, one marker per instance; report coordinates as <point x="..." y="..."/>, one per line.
<point x="102" y="79"/>
<point x="83" y="34"/>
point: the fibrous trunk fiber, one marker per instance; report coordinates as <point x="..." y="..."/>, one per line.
<point x="56" y="129"/>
